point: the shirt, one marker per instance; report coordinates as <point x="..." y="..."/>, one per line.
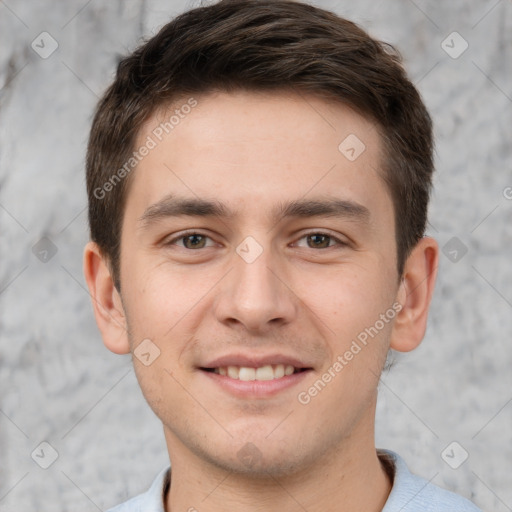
<point x="409" y="493"/>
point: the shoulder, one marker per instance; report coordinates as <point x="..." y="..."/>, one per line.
<point x="150" y="501"/>
<point x="410" y="493"/>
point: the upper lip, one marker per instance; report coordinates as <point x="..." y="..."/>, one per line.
<point x="254" y="361"/>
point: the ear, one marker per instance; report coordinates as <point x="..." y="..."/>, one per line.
<point x="106" y="301"/>
<point x="414" y="294"/>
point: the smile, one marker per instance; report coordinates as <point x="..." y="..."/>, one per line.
<point x="246" y="373"/>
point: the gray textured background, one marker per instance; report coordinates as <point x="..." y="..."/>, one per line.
<point x="60" y="385"/>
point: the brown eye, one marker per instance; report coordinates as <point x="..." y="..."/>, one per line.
<point x="190" y="241"/>
<point x="194" y="241"/>
<point x="318" y="241"/>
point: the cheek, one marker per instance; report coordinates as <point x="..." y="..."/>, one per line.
<point x="161" y="297"/>
<point x="346" y="298"/>
<point x="160" y="385"/>
<point x="348" y="305"/>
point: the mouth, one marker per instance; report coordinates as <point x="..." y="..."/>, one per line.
<point x="255" y="377"/>
<point x="261" y="373"/>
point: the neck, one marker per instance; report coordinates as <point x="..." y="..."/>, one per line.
<point x="350" y="478"/>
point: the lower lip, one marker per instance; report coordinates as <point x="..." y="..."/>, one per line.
<point x="256" y="388"/>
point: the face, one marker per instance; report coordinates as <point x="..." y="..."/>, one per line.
<point x="254" y="246"/>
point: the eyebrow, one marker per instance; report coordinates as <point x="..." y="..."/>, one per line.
<point x="174" y="206"/>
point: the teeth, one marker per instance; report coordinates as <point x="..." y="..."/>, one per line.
<point x="279" y="371"/>
<point x="233" y="372"/>
<point x="247" y="373"/>
<point x="268" y="372"/>
<point x="264" y="373"/>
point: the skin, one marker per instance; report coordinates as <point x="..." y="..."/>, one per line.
<point x="254" y="152"/>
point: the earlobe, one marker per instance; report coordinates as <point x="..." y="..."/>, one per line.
<point x="106" y="301"/>
<point x="414" y="294"/>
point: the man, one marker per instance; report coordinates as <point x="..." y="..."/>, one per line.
<point x="258" y="178"/>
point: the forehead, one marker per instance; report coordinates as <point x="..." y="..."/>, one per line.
<point x="253" y="150"/>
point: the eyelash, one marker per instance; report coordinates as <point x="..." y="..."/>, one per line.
<point x="337" y="241"/>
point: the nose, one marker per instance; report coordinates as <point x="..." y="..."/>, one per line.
<point x="255" y="296"/>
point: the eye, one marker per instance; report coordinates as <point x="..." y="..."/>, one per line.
<point x="320" y="241"/>
<point x="317" y="240"/>
<point x="192" y="241"/>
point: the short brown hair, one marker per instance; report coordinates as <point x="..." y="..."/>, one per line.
<point x="262" y="45"/>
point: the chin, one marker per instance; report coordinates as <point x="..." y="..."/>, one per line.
<point x="259" y="458"/>
<point x="260" y="466"/>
